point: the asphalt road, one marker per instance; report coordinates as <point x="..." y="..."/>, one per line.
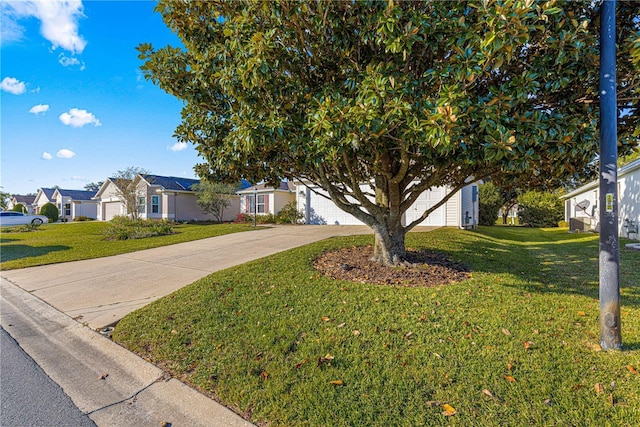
<point x="28" y="397"/>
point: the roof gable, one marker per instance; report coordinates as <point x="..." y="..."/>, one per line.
<point x="25" y="200"/>
<point x="287" y="186"/>
<point x="171" y="183"/>
<point x="76" y="194"/>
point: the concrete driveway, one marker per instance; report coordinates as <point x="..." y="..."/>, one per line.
<point x="99" y="292"/>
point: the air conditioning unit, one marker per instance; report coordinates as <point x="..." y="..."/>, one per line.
<point x="580" y="224"/>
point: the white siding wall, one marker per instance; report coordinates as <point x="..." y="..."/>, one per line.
<point x="84" y="208"/>
<point x="629" y="201"/>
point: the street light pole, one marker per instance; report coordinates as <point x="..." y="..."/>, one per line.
<point x="610" y="335"/>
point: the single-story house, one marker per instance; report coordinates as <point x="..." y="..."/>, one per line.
<point x="581" y="205"/>
<point x="270" y="200"/>
<point x="159" y="197"/>
<point x="75" y="203"/>
<point x="43" y="196"/>
<point x="26" y="201"/>
<point x="461" y="210"/>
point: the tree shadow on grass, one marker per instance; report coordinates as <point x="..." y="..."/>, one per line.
<point x="550" y="262"/>
<point x="15" y="252"/>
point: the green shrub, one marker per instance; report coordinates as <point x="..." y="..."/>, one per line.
<point x="50" y="211"/>
<point x="83" y="218"/>
<point x="489" y="202"/>
<point x="124" y="228"/>
<point x="289" y="214"/>
<point x="19" y="207"/>
<point x="260" y="219"/>
<point x="538" y="209"/>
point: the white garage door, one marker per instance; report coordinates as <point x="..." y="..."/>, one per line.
<point x="111" y="209"/>
<point x="426" y="200"/>
<point x="324" y="211"/>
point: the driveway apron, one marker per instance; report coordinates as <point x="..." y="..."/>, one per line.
<point x="99" y="292"/>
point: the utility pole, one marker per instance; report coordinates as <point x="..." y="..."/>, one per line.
<point x="610" y="335"/>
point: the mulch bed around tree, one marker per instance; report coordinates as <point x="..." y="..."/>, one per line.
<point x="425" y="268"/>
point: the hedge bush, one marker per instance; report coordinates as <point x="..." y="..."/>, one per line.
<point x="19" y="207"/>
<point x="50" y="211"/>
<point x="124" y="228"/>
<point x="489" y="203"/>
<point x="538" y="209"/>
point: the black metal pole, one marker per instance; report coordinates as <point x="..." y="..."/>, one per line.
<point x="610" y="335"/>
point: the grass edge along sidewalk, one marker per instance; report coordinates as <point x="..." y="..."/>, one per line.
<point x="55" y="243"/>
<point x="516" y="344"/>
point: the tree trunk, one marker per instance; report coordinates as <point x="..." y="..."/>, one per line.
<point x="505" y="217"/>
<point x="388" y="248"/>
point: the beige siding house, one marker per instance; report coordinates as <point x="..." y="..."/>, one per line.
<point x="75" y="203"/>
<point x="270" y="199"/>
<point x="159" y="197"/>
<point x="44" y="196"/>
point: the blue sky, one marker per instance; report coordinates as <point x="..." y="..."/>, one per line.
<point x="74" y="106"/>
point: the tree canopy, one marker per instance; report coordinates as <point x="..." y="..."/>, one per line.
<point x="400" y="96"/>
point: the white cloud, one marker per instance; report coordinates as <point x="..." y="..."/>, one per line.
<point x="46" y="156"/>
<point x="38" y="109"/>
<point x="78" y="118"/>
<point x="58" y="21"/>
<point x="12" y="85"/>
<point x="65" y="154"/>
<point x="178" y="146"/>
<point x="67" y="61"/>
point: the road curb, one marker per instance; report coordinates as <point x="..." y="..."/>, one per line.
<point x="105" y="381"/>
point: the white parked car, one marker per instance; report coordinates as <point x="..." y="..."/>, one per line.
<point x="8" y="218"/>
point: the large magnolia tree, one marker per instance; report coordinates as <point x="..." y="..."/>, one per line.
<point x="376" y="102"/>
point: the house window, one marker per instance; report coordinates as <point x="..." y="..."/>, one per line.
<point x="142" y="204"/>
<point x="262" y="204"/>
<point x="67" y="209"/>
<point x="155" y="204"/>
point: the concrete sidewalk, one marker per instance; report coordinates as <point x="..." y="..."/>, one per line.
<point x="99" y="292"/>
<point x="39" y="307"/>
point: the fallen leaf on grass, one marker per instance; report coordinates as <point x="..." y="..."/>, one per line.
<point x="264" y="375"/>
<point x="582" y="313"/>
<point x="632" y="369"/>
<point x="336" y="382"/>
<point x="301" y="363"/>
<point x="598" y="388"/>
<point x="433" y="403"/>
<point x="594" y="346"/>
<point x="528" y="345"/>
<point x="356" y="332"/>
<point x="487" y="393"/>
<point x="448" y="410"/>
<point x="547" y="402"/>
<point x="325" y="318"/>
<point x="510" y="378"/>
<point x="506" y="331"/>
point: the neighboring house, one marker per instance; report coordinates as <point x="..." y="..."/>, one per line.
<point x="26" y="201"/>
<point x="44" y="196"/>
<point x="270" y="200"/>
<point x="159" y="197"/>
<point x="109" y="201"/>
<point x="581" y="205"/>
<point x="75" y="203"/>
<point x="461" y="210"/>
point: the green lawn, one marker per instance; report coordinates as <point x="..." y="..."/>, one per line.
<point x="515" y="345"/>
<point x="53" y="243"/>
